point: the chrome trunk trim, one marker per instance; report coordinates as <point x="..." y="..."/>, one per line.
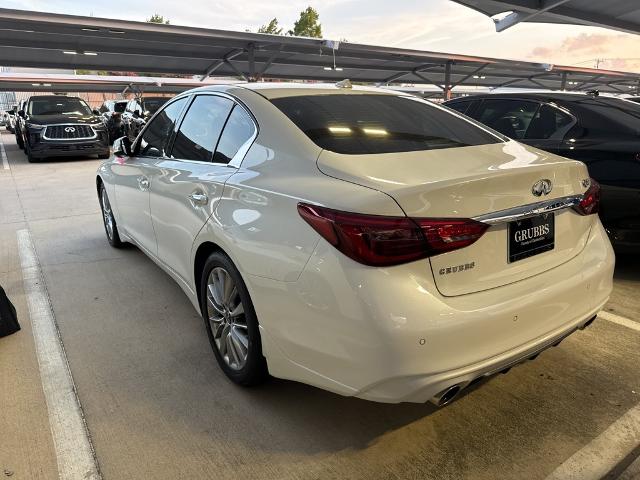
<point x="530" y="210"/>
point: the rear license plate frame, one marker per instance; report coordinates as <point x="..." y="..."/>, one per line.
<point x="533" y="244"/>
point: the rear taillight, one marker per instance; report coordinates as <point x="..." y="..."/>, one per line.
<point x="590" y="202"/>
<point x="382" y="241"/>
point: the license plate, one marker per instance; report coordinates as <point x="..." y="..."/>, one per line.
<point x="531" y="236"/>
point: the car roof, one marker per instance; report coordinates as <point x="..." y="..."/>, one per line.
<point x="272" y="90"/>
<point x="557" y="96"/>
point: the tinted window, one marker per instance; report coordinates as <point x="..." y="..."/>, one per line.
<point x="459" y="106"/>
<point x="509" y="117"/>
<point x="374" y="123"/>
<point x="152" y="105"/>
<point x="119" y="106"/>
<point x="155" y="136"/>
<point x="238" y="130"/>
<point x="57" y="105"/>
<point x="607" y="116"/>
<point x="201" y="127"/>
<point x="546" y="122"/>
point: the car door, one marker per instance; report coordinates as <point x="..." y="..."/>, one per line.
<point x="190" y="183"/>
<point x="509" y="116"/>
<point x="548" y="128"/>
<point x="134" y="176"/>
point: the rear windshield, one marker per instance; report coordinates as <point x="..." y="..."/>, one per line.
<point x="609" y="115"/>
<point x="152" y="105"/>
<point x="370" y="123"/>
<point x="119" y="106"/>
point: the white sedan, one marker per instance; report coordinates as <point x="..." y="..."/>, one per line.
<point x="363" y="241"/>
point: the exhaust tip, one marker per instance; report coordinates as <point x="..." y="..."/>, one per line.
<point x="446" y="396"/>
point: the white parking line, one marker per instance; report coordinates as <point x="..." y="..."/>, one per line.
<point x="625" y="322"/>
<point x="74" y="452"/>
<point x="599" y="457"/>
<point x="3" y="154"/>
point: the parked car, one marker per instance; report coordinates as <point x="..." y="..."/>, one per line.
<point x="56" y="125"/>
<point x="634" y="99"/>
<point x="111" y="113"/>
<point x="363" y="241"/>
<point x="18" y="127"/>
<point x="137" y="112"/>
<point x="12" y="119"/>
<point x="601" y="131"/>
<point x="4" y="119"/>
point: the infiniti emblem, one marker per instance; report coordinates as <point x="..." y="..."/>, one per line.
<point x="69" y="129"/>
<point x="542" y="187"/>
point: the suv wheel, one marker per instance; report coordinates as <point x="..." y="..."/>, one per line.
<point x="231" y="322"/>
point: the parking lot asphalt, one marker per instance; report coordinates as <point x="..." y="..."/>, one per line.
<point x="157" y="406"/>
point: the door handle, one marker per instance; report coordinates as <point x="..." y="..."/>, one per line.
<point x="143" y="183"/>
<point x="199" y="198"/>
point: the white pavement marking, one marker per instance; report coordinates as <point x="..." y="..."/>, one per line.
<point x="3" y="154"/>
<point x="600" y="456"/>
<point x="74" y="452"/>
<point x="625" y="322"/>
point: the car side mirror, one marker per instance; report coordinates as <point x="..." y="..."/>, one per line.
<point x="122" y="147"/>
<point x="21" y="113"/>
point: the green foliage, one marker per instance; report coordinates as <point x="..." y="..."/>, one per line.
<point x="307" y="25"/>
<point x="272" y="28"/>
<point x="155" y="18"/>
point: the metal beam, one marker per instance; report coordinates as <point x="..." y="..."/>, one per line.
<point x="447" y="80"/>
<point x="475" y="72"/>
<point x="218" y="63"/>
<point x="427" y="79"/>
<point x="235" y="69"/>
<point x="517" y="16"/>
<point x="252" y="62"/>
<point x="269" y="61"/>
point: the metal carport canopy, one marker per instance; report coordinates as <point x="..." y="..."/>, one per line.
<point x="35" y="39"/>
<point x="623" y="15"/>
<point x="33" y="82"/>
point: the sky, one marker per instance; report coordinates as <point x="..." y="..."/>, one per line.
<point x="434" y="25"/>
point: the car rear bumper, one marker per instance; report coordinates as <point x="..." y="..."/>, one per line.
<point x="386" y="334"/>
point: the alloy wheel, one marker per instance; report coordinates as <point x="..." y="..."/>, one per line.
<point x="107" y="214"/>
<point x="226" y="315"/>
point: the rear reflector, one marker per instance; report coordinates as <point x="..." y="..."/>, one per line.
<point x="382" y="241"/>
<point x="590" y="202"/>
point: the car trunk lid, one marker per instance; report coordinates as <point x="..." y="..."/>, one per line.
<point x="470" y="182"/>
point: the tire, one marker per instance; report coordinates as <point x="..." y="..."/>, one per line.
<point x="19" y="141"/>
<point x="30" y="157"/>
<point x="235" y="339"/>
<point x="104" y="156"/>
<point x="110" y="227"/>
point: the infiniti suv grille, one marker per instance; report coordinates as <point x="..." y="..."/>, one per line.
<point x="68" y="132"/>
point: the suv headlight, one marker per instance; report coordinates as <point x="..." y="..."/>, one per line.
<point x="34" y="126"/>
<point x="97" y="125"/>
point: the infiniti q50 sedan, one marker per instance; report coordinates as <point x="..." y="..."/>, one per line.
<point x="363" y="241"/>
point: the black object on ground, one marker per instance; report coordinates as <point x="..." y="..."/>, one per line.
<point x="8" y="318"/>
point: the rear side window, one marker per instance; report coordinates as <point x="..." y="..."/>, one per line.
<point x="372" y="123"/>
<point x="461" y="107"/>
<point x="201" y="127"/>
<point x="238" y="131"/>
<point x="605" y="116"/>
<point x="154" y="139"/>
<point x="548" y="121"/>
<point x="509" y="117"/>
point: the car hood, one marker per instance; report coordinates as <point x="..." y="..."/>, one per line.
<point x="61" y="118"/>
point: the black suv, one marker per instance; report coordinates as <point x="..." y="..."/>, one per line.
<point x="601" y="131"/>
<point x="57" y="125"/>
<point x="138" y="112"/>
<point x="111" y="112"/>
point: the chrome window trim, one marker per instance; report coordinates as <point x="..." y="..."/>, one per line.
<point x="44" y="133"/>
<point x="529" y="210"/>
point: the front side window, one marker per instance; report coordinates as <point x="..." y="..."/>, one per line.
<point x="238" y="131"/>
<point x="200" y="130"/>
<point x="509" y="117"/>
<point x="57" y="106"/>
<point x="376" y="123"/>
<point x="156" y="136"/>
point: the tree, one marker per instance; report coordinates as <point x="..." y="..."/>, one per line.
<point x="272" y="28"/>
<point x="307" y="25"/>
<point x="155" y="18"/>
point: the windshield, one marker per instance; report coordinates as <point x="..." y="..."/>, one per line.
<point x="59" y="105"/>
<point x="373" y="123"/>
<point x="152" y="105"/>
